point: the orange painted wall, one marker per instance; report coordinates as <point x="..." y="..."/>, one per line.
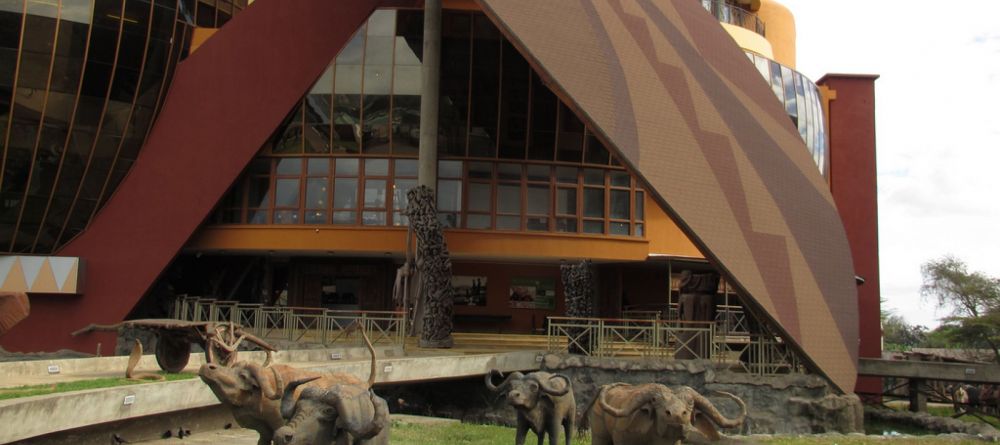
<point x="497" y="295"/>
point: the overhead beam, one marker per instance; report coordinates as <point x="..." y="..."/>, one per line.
<point x="910" y="369"/>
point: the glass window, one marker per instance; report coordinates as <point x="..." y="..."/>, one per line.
<point x="347" y="95"/>
<point x="369" y="218"/>
<point x="510" y="172"/>
<point x="260" y="192"/>
<point x="596" y="152"/>
<point x="449" y="169"/>
<point x="406" y="167"/>
<point x="318" y="166"/>
<point x="399" y="190"/>
<point x="640" y="206"/>
<point x="289" y="166"/>
<point x="567" y="175"/>
<point x="593" y="176"/>
<point x="566" y="225"/>
<point x="345" y="217"/>
<point x="347" y="167"/>
<point x="541" y="173"/>
<point x="509" y="199"/>
<point x="477" y="221"/>
<point x="485" y="89"/>
<point x="376" y="167"/>
<point x="539" y="199"/>
<point x="513" y="103"/>
<point x="345" y="193"/>
<point x="316" y="193"/>
<point x="543" y="121"/>
<point x="449" y="195"/>
<point x="566" y="201"/>
<point x="593" y="203"/>
<point x="286" y="217"/>
<point x="375" y="193"/>
<point x="593" y="227"/>
<point x="456" y="57"/>
<point x="481" y="170"/>
<point x="537" y="223"/>
<point x="789" y="93"/>
<point x="620" y="179"/>
<point x="286" y="193"/>
<point x="570" y="136"/>
<point x="508" y="222"/>
<point x="619" y="228"/>
<point x="480" y="196"/>
<point x="619" y="204"/>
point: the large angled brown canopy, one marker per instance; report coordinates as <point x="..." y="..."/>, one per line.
<point x="668" y="88"/>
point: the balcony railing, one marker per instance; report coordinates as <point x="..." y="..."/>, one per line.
<point x="726" y="341"/>
<point x="297" y="324"/>
<point x="734" y="15"/>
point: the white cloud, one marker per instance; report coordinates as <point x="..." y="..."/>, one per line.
<point x="937" y="122"/>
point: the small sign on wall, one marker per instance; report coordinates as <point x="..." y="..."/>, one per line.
<point x="469" y="291"/>
<point x="532" y="293"/>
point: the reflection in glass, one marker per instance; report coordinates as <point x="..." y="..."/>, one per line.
<point x="509" y="199"/>
<point x="543" y="121"/>
<point x="449" y="195"/>
<point x="513" y="103"/>
<point x="375" y="194"/>
<point x="485" y="89"/>
<point x="453" y="112"/>
<point x="480" y="196"/>
<point x="593" y="203"/>
<point x="345" y="193"/>
<point x="286" y="193"/>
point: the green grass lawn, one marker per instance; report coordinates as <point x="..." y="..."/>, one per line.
<point x="470" y="434"/>
<point x="38" y="390"/>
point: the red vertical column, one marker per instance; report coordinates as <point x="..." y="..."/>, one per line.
<point x="852" y="175"/>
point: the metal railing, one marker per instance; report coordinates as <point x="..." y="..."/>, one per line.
<point x="607" y="337"/>
<point x="297" y="324"/>
<point x="734" y="15"/>
<point x="758" y="353"/>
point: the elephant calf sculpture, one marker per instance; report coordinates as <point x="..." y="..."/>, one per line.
<point x="654" y="414"/>
<point x="330" y="411"/>
<point x="544" y="402"/>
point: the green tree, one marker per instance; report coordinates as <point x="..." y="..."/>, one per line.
<point x="900" y="335"/>
<point x="974" y="300"/>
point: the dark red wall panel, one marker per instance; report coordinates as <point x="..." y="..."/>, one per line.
<point x="853" y="182"/>
<point x="225" y="101"/>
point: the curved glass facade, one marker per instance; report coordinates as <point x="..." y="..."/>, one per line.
<point x="513" y="156"/>
<point x="802" y="101"/>
<point x="80" y="84"/>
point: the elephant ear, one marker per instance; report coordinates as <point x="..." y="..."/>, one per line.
<point x="705" y="427"/>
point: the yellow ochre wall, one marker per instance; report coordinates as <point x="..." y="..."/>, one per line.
<point x="779" y="26"/>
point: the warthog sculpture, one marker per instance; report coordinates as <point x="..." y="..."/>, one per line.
<point x="654" y="414"/>
<point x="544" y="402"/>
<point x="330" y="411"/>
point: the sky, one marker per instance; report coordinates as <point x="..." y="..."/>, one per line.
<point x="937" y="112"/>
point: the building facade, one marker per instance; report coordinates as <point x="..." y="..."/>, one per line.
<point x="279" y="165"/>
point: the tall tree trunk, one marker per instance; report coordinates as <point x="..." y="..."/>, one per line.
<point x="434" y="266"/>
<point x="578" y="287"/>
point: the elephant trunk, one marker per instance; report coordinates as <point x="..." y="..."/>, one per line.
<point x="267" y="388"/>
<point x="288" y="400"/>
<point x="547" y="386"/>
<point x="706" y="407"/>
<point x="489" y="380"/>
<point x="631" y="405"/>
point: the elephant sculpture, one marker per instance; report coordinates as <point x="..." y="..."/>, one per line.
<point x="544" y="403"/>
<point x="654" y="414"/>
<point x="331" y="411"/>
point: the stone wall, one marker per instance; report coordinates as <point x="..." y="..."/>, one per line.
<point x="785" y="404"/>
<point x="788" y="404"/>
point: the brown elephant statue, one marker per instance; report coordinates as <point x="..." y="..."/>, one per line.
<point x="544" y="403"/>
<point x="654" y="414"/>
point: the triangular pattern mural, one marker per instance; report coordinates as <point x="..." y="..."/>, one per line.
<point x="40" y="274"/>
